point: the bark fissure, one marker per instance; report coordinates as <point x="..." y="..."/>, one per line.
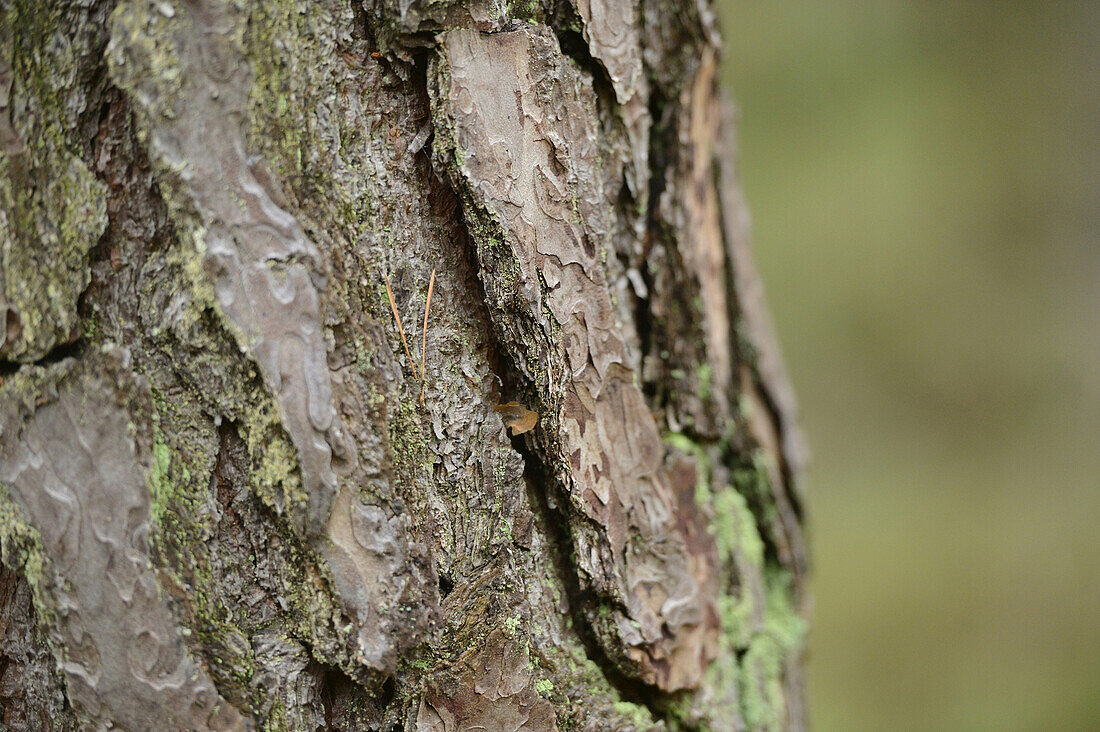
<point x="580" y="368"/>
<point x="568" y="29"/>
<point x="556" y="523"/>
<point x="548" y="500"/>
<point x="72" y="349"/>
<point x="646" y="320"/>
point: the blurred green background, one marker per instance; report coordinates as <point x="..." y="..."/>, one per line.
<point x="923" y="179"/>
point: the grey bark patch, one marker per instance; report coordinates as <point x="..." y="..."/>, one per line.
<point x="72" y="462"/>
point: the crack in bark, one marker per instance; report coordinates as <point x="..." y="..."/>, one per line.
<point x="557" y="529"/>
<point x="543" y="469"/>
<point x="658" y="166"/>
<point x="566" y="27"/>
<point x="72" y="349"/>
<point x="548" y="501"/>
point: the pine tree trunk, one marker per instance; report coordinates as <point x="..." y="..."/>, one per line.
<point x="385" y="366"/>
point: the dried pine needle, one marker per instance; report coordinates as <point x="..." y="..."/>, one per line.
<point x="424" y="342"/>
<point x="400" y="329"/>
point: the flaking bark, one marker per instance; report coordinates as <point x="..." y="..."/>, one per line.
<point x="223" y="502"/>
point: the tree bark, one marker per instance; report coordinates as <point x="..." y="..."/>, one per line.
<point x="385" y="366"/>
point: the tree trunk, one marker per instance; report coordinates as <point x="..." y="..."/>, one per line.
<point x="385" y="366"/>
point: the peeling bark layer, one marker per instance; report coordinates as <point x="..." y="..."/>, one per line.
<point x="231" y="497"/>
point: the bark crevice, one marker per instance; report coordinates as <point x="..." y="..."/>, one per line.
<point x="71" y="349"/>
<point x="548" y="502"/>
<point x="557" y="527"/>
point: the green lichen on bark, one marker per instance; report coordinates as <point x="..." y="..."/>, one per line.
<point x="286" y="43"/>
<point x="180" y="479"/>
<point x="21" y="551"/>
<point x="223" y="551"/>
<point x="52" y="208"/>
<point x="771" y="651"/>
<point x="763" y="635"/>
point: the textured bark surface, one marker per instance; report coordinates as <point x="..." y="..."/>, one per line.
<point x="232" y="498"/>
